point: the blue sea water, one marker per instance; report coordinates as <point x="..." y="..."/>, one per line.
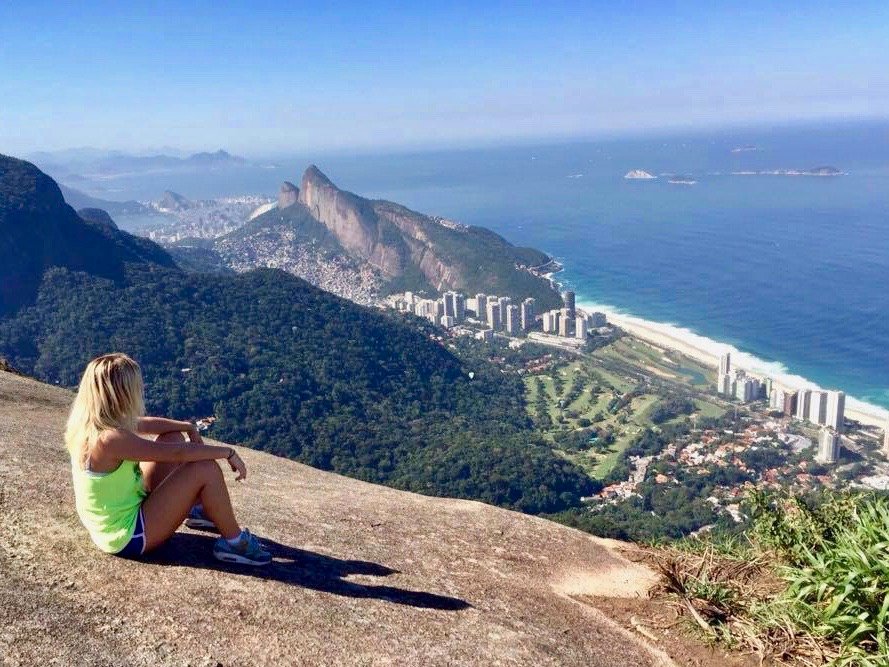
<point x="793" y="270"/>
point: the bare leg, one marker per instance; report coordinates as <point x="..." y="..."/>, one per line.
<point x="153" y="473"/>
<point x="170" y="502"/>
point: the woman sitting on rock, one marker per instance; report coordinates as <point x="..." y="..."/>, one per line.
<point x="133" y="493"/>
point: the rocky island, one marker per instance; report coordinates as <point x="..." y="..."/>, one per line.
<point x="639" y="175"/>
<point x="816" y="171"/>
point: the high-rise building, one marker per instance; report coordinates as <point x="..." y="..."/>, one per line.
<point x="450" y="307"/>
<point x="776" y="399"/>
<point x="724" y="385"/>
<point x="755" y="389"/>
<point x="597" y="320"/>
<point x="828" y="446"/>
<point x="802" y="404"/>
<point x="569" y="304"/>
<point x="447" y="321"/>
<point x="746" y="388"/>
<point x="580" y="328"/>
<point x="513" y="322"/>
<point x="566" y="324"/>
<point x="818" y="407"/>
<point x="504" y="301"/>
<point x="725" y="363"/>
<point x="789" y="403"/>
<point x="459" y="307"/>
<point x="487" y="335"/>
<point x="493" y="318"/>
<point x="528" y="314"/>
<point x="481" y="307"/>
<point x="551" y="322"/>
<point x="836" y="410"/>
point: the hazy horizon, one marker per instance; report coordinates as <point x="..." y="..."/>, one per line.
<point x="277" y="79"/>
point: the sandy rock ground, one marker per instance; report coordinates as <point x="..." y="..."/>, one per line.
<point x="363" y="574"/>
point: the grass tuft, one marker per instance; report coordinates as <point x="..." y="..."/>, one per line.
<point x="806" y="584"/>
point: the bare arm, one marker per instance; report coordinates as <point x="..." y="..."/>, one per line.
<point x="158" y="425"/>
<point x="120" y="445"/>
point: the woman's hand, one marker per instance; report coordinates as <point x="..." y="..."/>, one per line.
<point x="194" y="435"/>
<point x="237" y="465"/>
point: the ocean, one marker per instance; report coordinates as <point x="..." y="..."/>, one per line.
<point x="791" y="271"/>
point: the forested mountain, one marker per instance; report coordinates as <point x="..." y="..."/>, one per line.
<point x="39" y="230"/>
<point x="285" y="367"/>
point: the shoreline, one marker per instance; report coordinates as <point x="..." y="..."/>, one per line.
<point x="707" y="351"/>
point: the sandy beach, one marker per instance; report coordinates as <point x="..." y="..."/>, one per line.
<point x="701" y="349"/>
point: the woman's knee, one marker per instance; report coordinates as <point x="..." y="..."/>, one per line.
<point x="171" y="436"/>
<point x="207" y="469"/>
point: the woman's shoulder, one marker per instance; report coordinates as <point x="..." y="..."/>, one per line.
<point x="106" y="443"/>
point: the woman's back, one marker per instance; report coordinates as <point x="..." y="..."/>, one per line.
<point x="108" y="503"/>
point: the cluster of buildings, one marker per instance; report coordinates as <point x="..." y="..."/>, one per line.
<point x="499" y="313"/>
<point x="824" y="408"/>
<point x="709" y="449"/>
<point x="453" y="308"/>
<point x="568" y="322"/>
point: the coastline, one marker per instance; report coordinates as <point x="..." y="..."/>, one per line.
<point x="708" y="351"/>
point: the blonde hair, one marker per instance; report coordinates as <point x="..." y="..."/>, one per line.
<point x="110" y="396"/>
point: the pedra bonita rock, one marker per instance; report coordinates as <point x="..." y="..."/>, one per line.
<point x="363" y="574"/>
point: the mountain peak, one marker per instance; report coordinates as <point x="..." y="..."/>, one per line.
<point x="173" y="201"/>
<point x="24" y="186"/>
<point x="288" y="195"/>
<point x="38" y="230"/>
<point x="314" y="176"/>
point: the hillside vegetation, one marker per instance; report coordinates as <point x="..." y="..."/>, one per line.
<point x="806" y="582"/>
<point x="295" y="371"/>
<point x="285" y="367"/>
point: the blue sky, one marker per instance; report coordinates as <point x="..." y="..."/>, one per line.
<point x="268" y="77"/>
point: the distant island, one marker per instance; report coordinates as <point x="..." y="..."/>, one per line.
<point x="749" y="148"/>
<point x="817" y="171"/>
<point x="681" y="180"/>
<point x="639" y="175"/>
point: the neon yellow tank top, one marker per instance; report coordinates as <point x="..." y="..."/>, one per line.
<point x="108" y="503"/>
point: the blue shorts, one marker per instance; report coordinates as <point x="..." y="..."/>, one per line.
<point x="136" y="546"/>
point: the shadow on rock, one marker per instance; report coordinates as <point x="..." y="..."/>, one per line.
<point x="301" y="568"/>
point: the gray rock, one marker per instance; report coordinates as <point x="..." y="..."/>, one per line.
<point x="288" y="195"/>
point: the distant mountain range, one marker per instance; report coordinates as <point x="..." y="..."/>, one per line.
<point x="317" y="223"/>
<point x="86" y="163"/>
<point x="77" y="199"/>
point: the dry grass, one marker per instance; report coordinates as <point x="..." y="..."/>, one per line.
<point x="735" y="601"/>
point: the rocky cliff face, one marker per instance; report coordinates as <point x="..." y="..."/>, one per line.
<point x="354" y="223"/>
<point x="288" y="195"/>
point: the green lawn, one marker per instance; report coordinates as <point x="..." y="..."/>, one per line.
<point x="617" y="369"/>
